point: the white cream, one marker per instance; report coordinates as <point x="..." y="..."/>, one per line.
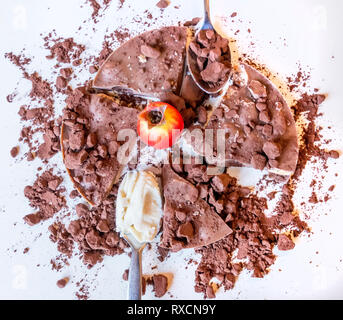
<point x="139" y="206"/>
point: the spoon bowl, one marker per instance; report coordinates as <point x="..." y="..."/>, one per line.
<point x="191" y="59"/>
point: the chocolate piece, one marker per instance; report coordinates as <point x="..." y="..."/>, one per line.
<point x="61" y="82"/>
<point x="192" y="22"/>
<point x="221" y="182"/>
<point x="264" y="116"/>
<point x="74" y="228"/>
<point x="74" y="194"/>
<point x="180" y="189"/>
<point x="271" y="149"/>
<point x="103" y="226"/>
<point x="257" y="89"/>
<point x="160" y="283"/>
<point x="112" y="239"/>
<point x="286" y="218"/>
<point x="74" y="160"/>
<point x="196" y="172"/>
<point x="258" y="161"/>
<point x="202" y="115"/>
<point x="127" y="70"/>
<point x="162" y="4"/>
<point x="334" y="154"/>
<point x="81" y="209"/>
<point x="33" y="218"/>
<point x="93" y="69"/>
<point x="213" y="71"/>
<point x="201" y="225"/>
<point x="14" y="152"/>
<point x="94" y="166"/>
<point x="66" y="72"/>
<point x="125" y="275"/>
<point x="91" y="140"/>
<point x="62" y="282"/>
<point x="285" y="243"/>
<point x="150" y="52"/>
<point x="185" y="230"/>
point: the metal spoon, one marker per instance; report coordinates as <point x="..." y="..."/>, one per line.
<point x="136" y="190"/>
<point x="191" y="62"/>
<point x="135" y="270"/>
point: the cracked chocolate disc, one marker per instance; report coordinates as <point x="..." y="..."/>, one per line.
<point x="148" y="65"/>
<point x="255" y="125"/>
<point x="89" y="140"/>
<point x="188" y="221"/>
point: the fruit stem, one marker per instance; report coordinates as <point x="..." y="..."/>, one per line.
<point x="156" y="116"/>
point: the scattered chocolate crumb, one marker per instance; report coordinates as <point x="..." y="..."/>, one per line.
<point x="18" y="60"/>
<point x="66" y="72"/>
<point x="332" y="188"/>
<point x="11" y="97"/>
<point x="63" y="50"/>
<point x="62" y="282"/>
<point x="96" y="7"/>
<point x="93" y="69"/>
<point x="162" y="4"/>
<point x="74" y="194"/>
<point x="163" y="253"/>
<point x="14" y="151"/>
<point x="285" y="243"/>
<point x="41" y="89"/>
<point x="126" y="275"/>
<point x="192" y="23"/>
<point x="61" y="82"/>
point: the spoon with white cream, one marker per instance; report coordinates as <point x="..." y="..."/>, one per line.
<point x="138" y="217"/>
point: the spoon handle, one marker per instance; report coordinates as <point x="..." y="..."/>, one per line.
<point x="135" y="275"/>
<point x="207" y="20"/>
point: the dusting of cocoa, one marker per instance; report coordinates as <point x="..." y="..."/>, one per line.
<point x="46" y="196"/>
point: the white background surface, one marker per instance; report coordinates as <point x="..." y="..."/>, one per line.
<point x="310" y="29"/>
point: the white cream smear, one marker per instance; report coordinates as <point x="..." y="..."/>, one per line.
<point x="139" y="206"/>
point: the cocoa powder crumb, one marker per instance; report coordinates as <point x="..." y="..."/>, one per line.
<point x="62" y="282"/>
<point x="48" y="201"/>
<point x="285" y="243"/>
<point x="162" y="4"/>
<point x="63" y="50"/>
<point x="126" y="275"/>
<point x="74" y="194"/>
<point x="14" y="152"/>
